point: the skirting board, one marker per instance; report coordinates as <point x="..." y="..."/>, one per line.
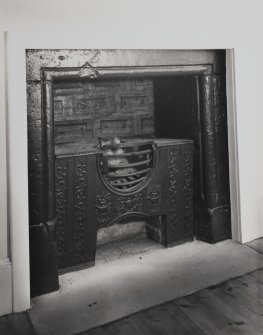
<point x="5" y="286"/>
<point x="252" y="218"/>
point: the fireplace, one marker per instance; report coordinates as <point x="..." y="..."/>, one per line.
<point x="112" y="142"/>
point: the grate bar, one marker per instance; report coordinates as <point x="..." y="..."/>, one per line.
<point x="130" y="165"/>
<point x="122" y="183"/>
<point x="129" y="154"/>
<point x="116" y="175"/>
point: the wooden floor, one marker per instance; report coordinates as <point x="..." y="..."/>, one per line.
<point x="234" y="307"/>
<point x="16" y="324"/>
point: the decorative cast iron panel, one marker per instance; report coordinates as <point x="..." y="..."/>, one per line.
<point x="130" y="204"/>
<point x="103" y="207"/>
<point x="80" y="210"/>
<point x="85" y="204"/>
<point x="71" y="210"/>
<point x="121" y="107"/>
<point x="61" y="208"/>
<point x="154" y="196"/>
<point x="188" y="191"/>
<point x="173" y="170"/>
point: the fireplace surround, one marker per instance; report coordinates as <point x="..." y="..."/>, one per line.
<point x="189" y="102"/>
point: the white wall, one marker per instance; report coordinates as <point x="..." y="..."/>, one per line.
<point x="174" y="24"/>
<point x="5" y="263"/>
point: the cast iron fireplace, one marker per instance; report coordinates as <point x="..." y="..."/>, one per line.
<point x="93" y="117"/>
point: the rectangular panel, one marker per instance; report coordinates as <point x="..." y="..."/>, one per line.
<point x="58" y="109"/>
<point x="89" y="106"/>
<point x="147" y="125"/>
<point x="61" y="180"/>
<point x="103" y="100"/>
<point x="129" y="102"/>
<point x="75" y="228"/>
<point x="72" y="131"/>
<point x="111" y="127"/>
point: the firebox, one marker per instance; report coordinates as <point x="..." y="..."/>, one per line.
<point x="110" y="167"/>
<point x="119" y="140"/>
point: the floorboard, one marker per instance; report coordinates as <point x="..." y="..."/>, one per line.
<point x="156" y="321"/>
<point x="16" y="324"/>
<point x="231" y="308"/>
<point x="227" y="311"/>
<point x="251" y="285"/>
<point x="203" y="318"/>
<point x="182" y="321"/>
<point x="95" y="331"/>
<point x="124" y="326"/>
<point x="246" y="316"/>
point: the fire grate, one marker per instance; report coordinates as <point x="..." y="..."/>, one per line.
<point x="126" y="164"/>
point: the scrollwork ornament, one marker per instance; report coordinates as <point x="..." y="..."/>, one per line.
<point x="133" y="203"/>
<point x="154" y="196"/>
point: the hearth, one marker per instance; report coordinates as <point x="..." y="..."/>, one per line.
<point x="116" y="143"/>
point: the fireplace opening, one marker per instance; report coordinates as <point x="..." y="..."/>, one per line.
<point x="111" y="169"/>
<point x="125" y="120"/>
<point x="126" y="151"/>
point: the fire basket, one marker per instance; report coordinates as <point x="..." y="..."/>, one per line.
<point x="126" y="165"/>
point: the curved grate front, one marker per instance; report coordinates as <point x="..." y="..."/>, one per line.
<point x="127" y="165"/>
